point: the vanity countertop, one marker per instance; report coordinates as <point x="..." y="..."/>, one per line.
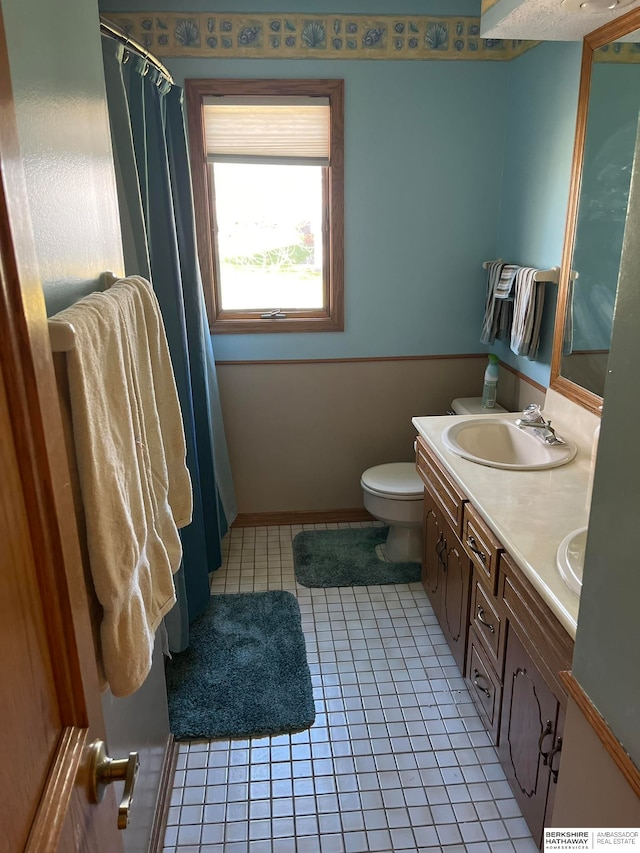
<point x="529" y="511"/>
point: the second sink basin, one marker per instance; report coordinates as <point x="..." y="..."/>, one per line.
<point x="570" y="559"/>
<point x="499" y="443"/>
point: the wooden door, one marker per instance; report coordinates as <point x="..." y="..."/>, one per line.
<point x="456" y="589"/>
<point x="49" y="693"/>
<point x="433" y="546"/>
<point x="527" y="733"/>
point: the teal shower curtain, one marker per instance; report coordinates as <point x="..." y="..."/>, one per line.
<point x="158" y="233"/>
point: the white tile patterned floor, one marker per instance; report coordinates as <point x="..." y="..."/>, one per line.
<point x="397" y="759"/>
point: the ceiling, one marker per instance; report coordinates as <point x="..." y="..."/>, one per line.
<point x="544" y="20"/>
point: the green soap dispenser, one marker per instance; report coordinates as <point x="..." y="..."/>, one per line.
<point x="490" y="387"/>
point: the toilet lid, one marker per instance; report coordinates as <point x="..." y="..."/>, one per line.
<point x="396" y="478"/>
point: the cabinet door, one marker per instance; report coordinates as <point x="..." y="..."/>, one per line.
<point x="527" y="733"/>
<point x="434" y="544"/>
<point x="456" y="587"/>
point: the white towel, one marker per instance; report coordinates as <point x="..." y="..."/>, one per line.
<point x="131" y="461"/>
<point x="158" y="369"/>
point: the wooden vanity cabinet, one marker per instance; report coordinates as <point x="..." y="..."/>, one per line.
<point x="503" y="636"/>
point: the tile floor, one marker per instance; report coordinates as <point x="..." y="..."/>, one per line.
<point x="397" y="759"/>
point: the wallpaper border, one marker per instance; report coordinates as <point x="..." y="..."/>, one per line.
<point x="293" y="36"/>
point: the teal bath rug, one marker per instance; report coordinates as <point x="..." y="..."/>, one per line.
<point x="347" y="557"/>
<point x="245" y="673"/>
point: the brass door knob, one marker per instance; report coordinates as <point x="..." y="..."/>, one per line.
<point x="104" y="770"/>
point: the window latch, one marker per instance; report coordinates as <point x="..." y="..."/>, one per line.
<point x="276" y="314"/>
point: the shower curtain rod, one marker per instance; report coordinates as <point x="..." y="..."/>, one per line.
<point x="113" y="31"/>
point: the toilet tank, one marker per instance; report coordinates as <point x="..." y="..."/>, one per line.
<point x="472" y="406"/>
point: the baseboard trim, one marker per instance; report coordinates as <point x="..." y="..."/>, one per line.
<point x="159" y="826"/>
<point x="599" y="725"/>
<point x="289" y="361"/>
<point x="524" y="377"/>
<point x="322" y="516"/>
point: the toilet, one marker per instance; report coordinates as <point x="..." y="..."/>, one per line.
<point x="473" y="406"/>
<point x="393" y="494"/>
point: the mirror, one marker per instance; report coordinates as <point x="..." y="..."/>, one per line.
<point x="603" y="160"/>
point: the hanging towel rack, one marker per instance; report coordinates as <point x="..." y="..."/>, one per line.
<point x="62" y="335"/>
<point x="552" y="275"/>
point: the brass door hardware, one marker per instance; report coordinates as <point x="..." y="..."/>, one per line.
<point x="104" y="770"/>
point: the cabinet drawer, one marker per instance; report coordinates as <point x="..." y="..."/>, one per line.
<point x="484" y="685"/>
<point x="482" y="546"/>
<point x="448" y="496"/>
<point x="488" y="623"/>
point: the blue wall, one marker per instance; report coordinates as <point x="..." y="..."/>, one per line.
<point x="448" y="164"/>
<point x="381" y="7"/>
<point x="541" y="120"/>
<point x="423" y="164"/>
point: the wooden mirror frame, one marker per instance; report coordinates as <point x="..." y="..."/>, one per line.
<point x="598" y="38"/>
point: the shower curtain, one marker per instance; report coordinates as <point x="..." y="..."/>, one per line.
<point x="158" y="234"/>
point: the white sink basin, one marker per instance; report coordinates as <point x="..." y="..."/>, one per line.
<point x="570" y="559"/>
<point x="499" y="443"/>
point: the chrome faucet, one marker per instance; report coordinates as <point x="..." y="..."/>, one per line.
<point x="533" y="418"/>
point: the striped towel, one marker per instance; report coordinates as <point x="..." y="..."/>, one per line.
<point x="498" y="309"/>
<point x="504" y="309"/>
<point x="490" y="323"/>
<point x="506" y="281"/>
<point x="527" y="313"/>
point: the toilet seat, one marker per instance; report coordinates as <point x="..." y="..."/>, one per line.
<point x="396" y="480"/>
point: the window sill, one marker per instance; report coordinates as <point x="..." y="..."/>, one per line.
<point x="260" y="326"/>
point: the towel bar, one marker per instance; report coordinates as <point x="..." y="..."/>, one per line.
<point x="62" y="335"/>
<point x="552" y="275"/>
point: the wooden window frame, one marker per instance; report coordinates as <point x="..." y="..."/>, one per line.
<point x="327" y="319"/>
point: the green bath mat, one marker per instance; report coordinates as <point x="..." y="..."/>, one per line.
<point x="245" y="673"/>
<point x="347" y="557"/>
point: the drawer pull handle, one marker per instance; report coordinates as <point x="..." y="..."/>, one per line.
<point x="476" y="676"/>
<point x="482" y="620"/>
<point x="471" y="542"/>
<point x="546" y="731"/>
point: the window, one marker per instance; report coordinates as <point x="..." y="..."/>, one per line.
<point x="267" y="171"/>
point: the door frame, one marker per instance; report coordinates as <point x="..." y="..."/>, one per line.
<point x="65" y="819"/>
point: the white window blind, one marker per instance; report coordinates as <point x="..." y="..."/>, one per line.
<point x="267" y="129"/>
